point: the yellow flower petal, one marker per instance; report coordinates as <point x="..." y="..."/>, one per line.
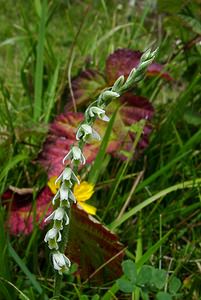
<point x="51" y="184"/>
<point x="88" y="208"/>
<point x="83" y="191"/>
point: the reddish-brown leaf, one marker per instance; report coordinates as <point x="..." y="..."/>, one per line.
<point x="63" y="130"/>
<point x="21" y="212"/>
<point x="122" y="61"/>
<point x="90" y="243"/>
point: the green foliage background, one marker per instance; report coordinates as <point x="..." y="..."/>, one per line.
<point x="43" y="46"/>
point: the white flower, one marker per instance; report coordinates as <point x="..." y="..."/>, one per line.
<point x="60" y="262"/>
<point x="96" y="111"/>
<point x="75" y="154"/>
<point x="85" y="131"/>
<point x="107" y="96"/>
<point x="52" y="237"/>
<point x="67" y="175"/>
<point x="64" y="194"/>
<point x="59" y="215"/>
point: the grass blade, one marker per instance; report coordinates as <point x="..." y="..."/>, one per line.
<point x="139" y="207"/>
<point x="11" y="164"/>
<point x="20" y="292"/>
<point x="24" y="269"/>
<point x="50" y="95"/>
<point x="38" y="86"/>
<point x="95" y="170"/>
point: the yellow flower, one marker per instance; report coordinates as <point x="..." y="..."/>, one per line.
<point x="51" y="184"/>
<point x="82" y="193"/>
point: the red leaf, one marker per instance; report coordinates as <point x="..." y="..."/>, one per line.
<point x="90" y="243"/>
<point x="122" y="61"/>
<point x="63" y="130"/>
<point x="21" y="216"/>
<point x="61" y="136"/>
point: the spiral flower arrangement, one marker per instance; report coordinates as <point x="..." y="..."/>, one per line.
<point x="57" y="236"/>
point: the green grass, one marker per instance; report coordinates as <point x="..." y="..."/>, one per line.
<point x="41" y="50"/>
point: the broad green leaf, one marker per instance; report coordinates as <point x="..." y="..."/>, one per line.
<point x="84" y="297"/>
<point x="174" y="285"/>
<point x="125" y="285"/>
<point x="145" y="275"/>
<point x="193" y="118"/>
<point x="130" y="270"/>
<point x="163" y="296"/>
<point x="159" y="278"/>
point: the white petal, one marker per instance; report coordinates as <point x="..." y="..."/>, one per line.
<point x="68" y="156"/>
<point x="105" y="118"/>
<point x="95" y="135"/>
<point x="74" y="177"/>
<point x="55" y="197"/>
<point x="67" y="261"/>
<point x="76" y="153"/>
<point x="86" y="128"/>
<point x="79" y="134"/>
<point x="50" y="217"/>
<point x="82" y="159"/>
<point x="59" y="237"/>
<point x="60" y="262"/>
<point x="71" y="196"/>
<point x="67" y="219"/>
<point x="51" y="234"/>
<point x="59" y="213"/>
<point x="57" y="260"/>
<point x="59" y="178"/>
<point x="63" y="192"/>
<point x="67" y="174"/>
<point x="95" y="111"/>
